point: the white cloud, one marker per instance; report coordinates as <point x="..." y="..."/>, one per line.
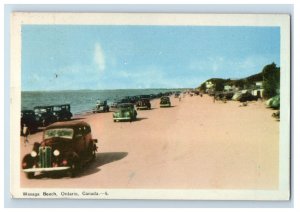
<point x="99" y="58"/>
<point x="149" y="77"/>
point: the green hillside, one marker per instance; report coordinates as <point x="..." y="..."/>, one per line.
<point x="270" y="76"/>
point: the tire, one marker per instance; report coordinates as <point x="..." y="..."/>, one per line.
<point x="30" y="175"/>
<point x="30" y="163"/>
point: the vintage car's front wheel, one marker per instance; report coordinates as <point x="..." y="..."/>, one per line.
<point x="30" y="175"/>
<point x="28" y="162"/>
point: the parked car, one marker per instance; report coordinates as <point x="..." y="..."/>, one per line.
<point x="101" y="106"/>
<point x="143" y="104"/>
<point x="115" y="104"/>
<point x="44" y="115"/>
<point x="125" y="112"/>
<point x="144" y="97"/>
<point x="247" y="97"/>
<point x="176" y="95"/>
<point x="273" y="102"/>
<point x="244" y="96"/>
<point x="28" y="120"/>
<point x="133" y="99"/>
<point x="227" y="95"/>
<point x="165" y="101"/>
<point x="66" y="146"/>
<point x="62" y="112"/>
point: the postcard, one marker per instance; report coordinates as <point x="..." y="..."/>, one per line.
<point x="150" y="106"/>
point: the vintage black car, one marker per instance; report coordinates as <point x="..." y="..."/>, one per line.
<point x="144" y="97"/>
<point x="44" y="115"/>
<point x="101" y="106"/>
<point x="133" y="99"/>
<point x="66" y="146"/>
<point x="177" y="94"/>
<point x="165" y="101"/>
<point x="224" y="95"/>
<point x="28" y="120"/>
<point x="62" y="112"/>
<point x="244" y="97"/>
<point x="143" y="104"/>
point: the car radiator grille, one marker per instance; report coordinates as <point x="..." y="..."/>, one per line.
<point x="45" y="157"/>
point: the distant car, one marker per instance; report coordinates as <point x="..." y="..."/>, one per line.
<point x="244" y="97"/>
<point x="62" y="112"/>
<point x="176" y="95"/>
<point x="115" y="104"/>
<point x="133" y="99"/>
<point x="101" y="106"/>
<point x="143" y="104"/>
<point x="28" y="120"/>
<point x="273" y="102"/>
<point x="125" y="112"/>
<point x="66" y="146"/>
<point x="44" y="115"/>
<point x="165" y="101"/>
<point x="125" y="100"/>
<point x="144" y="97"/>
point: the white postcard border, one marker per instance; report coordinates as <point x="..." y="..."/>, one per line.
<point x="282" y="21"/>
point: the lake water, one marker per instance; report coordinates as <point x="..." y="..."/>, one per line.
<point x="81" y="100"/>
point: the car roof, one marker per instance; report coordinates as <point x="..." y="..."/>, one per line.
<point x="24" y="111"/>
<point x="126" y="104"/>
<point x="66" y="124"/>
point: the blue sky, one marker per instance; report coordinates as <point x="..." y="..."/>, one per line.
<point x="57" y="57"/>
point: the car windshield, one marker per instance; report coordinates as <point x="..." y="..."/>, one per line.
<point x="59" y="132"/>
<point x="57" y="108"/>
<point x="102" y="103"/>
<point x="28" y="113"/>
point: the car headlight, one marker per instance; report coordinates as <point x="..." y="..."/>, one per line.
<point x="56" y="152"/>
<point x="33" y="154"/>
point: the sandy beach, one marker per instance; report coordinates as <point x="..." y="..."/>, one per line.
<point x="195" y="144"/>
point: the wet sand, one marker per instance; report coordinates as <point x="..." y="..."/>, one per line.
<point x="195" y="144"/>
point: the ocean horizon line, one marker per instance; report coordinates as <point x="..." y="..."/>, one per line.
<point x="117" y="89"/>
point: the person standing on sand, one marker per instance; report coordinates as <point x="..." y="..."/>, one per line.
<point x="25" y="133"/>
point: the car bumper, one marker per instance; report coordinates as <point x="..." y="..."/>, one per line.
<point x="47" y="169"/>
<point x="122" y="118"/>
<point x="165" y="105"/>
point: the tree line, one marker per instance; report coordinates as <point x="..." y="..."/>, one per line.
<point x="270" y="76"/>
